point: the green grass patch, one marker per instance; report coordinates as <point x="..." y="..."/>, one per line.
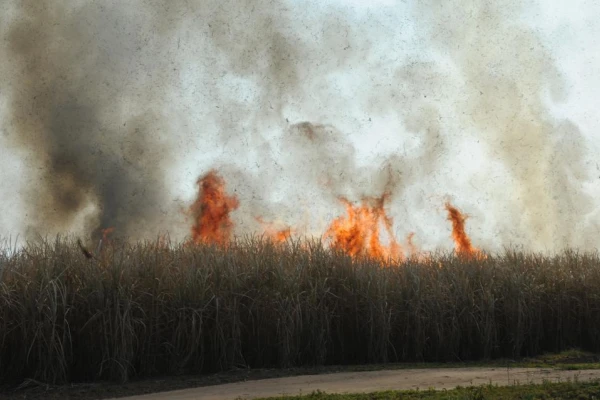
<point x="572" y="359"/>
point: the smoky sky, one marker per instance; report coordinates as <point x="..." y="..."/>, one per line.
<point x="507" y="71"/>
<point x="114" y="108"/>
<point x="92" y="129"/>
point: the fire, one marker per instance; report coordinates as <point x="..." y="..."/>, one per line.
<point x="106" y="232"/>
<point x="358" y="232"/>
<point x="282" y="235"/>
<point x="211" y="211"/>
<point x="105" y="241"/>
<point x="462" y="243"/>
<point x="274" y="234"/>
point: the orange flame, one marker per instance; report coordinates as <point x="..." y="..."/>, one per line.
<point x="462" y="243"/>
<point x="358" y="234"/>
<point x="104" y="241"/>
<point x="274" y="234"/>
<point x="106" y="232"/>
<point x="211" y="211"/>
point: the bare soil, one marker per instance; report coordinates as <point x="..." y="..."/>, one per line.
<point x="364" y="382"/>
<point x="253" y="383"/>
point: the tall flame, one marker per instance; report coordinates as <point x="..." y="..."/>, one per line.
<point x="462" y="243"/>
<point x="211" y="211"/>
<point x="357" y="233"/>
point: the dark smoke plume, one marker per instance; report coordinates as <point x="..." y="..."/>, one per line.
<point x="75" y="97"/>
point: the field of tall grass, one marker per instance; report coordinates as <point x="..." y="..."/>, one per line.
<point x="146" y="309"/>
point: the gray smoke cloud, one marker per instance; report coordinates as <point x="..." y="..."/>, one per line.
<point x="507" y="72"/>
<point x="93" y="130"/>
<point x="116" y="109"/>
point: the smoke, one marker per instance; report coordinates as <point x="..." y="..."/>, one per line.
<point x="95" y="140"/>
<point x="115" y="110"/>
<point x="506" y="74"/>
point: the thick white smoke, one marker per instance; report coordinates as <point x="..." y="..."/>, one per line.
<point x="297" y="103"/>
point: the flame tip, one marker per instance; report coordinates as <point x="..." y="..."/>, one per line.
<point x="357" y="233"/>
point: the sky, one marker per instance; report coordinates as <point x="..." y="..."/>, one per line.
<point x="109" y="114"/>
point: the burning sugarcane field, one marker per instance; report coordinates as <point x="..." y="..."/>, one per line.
<point x="198" y="187"/>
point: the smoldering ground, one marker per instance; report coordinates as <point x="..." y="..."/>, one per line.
<point x="106" y="100"/>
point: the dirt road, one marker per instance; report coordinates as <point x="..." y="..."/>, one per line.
<point x="364" y="382"/>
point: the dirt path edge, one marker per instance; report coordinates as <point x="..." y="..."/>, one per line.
<point x="371" y="381"/>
